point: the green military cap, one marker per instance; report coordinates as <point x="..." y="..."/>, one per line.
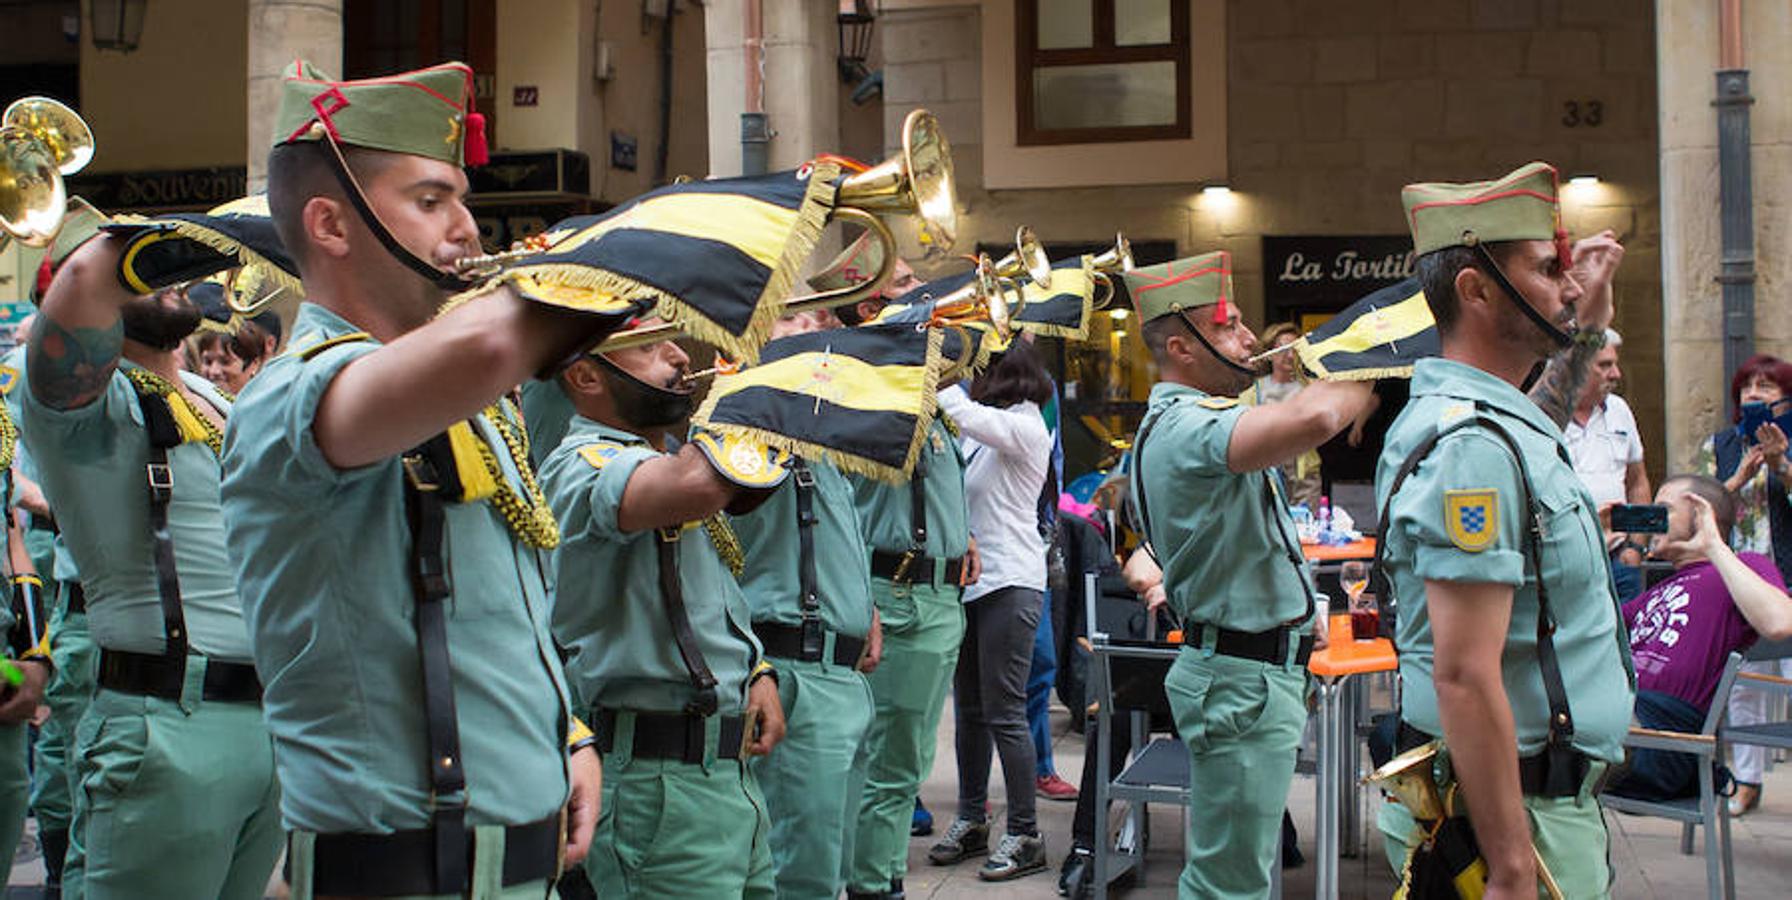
<point x="855" y="265"/>
<point x="426" y="112"/>
<point x="1519" y="207"/>
<point x="1184" y="284"/>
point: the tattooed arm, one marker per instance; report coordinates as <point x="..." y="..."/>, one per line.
<point x="1563" y="377"/>
<point x="1596" y="260"/>
<point x="79" y="336"/>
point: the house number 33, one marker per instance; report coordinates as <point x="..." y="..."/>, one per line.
<point x="1583" y="113"/>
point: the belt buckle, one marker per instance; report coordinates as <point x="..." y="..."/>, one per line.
<point x="900" y="576"/>
<point x="161" y="476"/>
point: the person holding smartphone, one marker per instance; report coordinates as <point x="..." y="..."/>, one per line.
<point x="1752" y="464"/>
<point x="1718" y="601"/>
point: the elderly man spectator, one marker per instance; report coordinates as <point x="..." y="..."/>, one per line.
<point x="1607" y="447"/>
<point x="1682" y="630"/>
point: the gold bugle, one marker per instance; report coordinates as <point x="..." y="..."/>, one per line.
<point x="1109" y="263"/>
<point x="1028" y="258"/>
<point x="41" y="140"/>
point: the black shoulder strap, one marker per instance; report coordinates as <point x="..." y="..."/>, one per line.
<point x="1560" y="746"/>
<point x="807" y="585"/>
<point x="703" y="681"/>
<point x="164" y="434"/>
<point x="428" y="470"/>
<point x="1137" y="493"/>
<point x="917" y="503"/>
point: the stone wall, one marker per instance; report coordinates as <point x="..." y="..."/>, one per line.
<point x="1332" y="106"/>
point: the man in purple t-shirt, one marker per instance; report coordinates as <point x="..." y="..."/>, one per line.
<point x="1683" y="629"/>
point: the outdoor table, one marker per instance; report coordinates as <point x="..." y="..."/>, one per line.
<point x="1336" y="783"/>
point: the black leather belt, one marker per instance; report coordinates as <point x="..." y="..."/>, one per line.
<point x="669" y="735"/>
<point x="152" y="675"/>
<point x="786" y="642"/>
<point x="903" y="568"/>
<point x="77" y="599"/>
<point x="1263" y="646"/>
<point x="403" y="863"/>
<point x="1533" y="770"/>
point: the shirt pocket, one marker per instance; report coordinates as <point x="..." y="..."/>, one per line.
<point x="1573" y="550"/>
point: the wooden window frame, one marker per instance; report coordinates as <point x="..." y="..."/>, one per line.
<point x="1028" y="57"/>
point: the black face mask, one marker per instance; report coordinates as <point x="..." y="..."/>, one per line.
<point x="159" y="327"/>
<point x="642" y="405"/>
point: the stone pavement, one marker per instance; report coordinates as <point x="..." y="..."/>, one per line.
<point x="1645" y="851"/>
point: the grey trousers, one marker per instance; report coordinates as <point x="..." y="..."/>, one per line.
<point x="990" y="701"/>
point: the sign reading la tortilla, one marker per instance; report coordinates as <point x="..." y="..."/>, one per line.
<point x="1331" y="271"/>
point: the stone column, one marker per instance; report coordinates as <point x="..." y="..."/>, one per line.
<point x="281" y="31"/>
<point x="802" y="84"/>
<point x="1692" y="304"/>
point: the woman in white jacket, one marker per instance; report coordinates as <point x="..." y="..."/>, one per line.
<point x="1007" y="451"/>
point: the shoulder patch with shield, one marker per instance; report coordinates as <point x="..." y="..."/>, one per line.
<point x="1472" y="518"/>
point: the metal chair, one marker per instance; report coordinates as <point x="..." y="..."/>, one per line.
<point x="1708" y="809"/>
<point x="1776" y="733"/>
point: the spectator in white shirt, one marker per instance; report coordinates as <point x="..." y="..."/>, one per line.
<point x="1607" y="449"/>
<point x="1007" y="450"/>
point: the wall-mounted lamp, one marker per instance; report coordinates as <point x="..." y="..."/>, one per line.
<point x="1216" y="190"/>
<point x="1583" y="181"/>
<point x="117" y="24"/>
<point x="1118" y="315"/>
<point x="855" y="21"/>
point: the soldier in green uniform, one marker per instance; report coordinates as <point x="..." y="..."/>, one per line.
<point x="127" y="446"/>
<point x="1488" y="532"/>
<point x="1232" y="566"/>
<point x="21" y="626"/>
<point x="72" y="652"/>
<point x="806" y="581"/>
<point x="921" y="558"/>
<point x="660" y="644"/>
<point x="387" y="530"/>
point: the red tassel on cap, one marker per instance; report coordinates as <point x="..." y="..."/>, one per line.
<point x="477" y="152"/>
<point x="1220" y="312"/>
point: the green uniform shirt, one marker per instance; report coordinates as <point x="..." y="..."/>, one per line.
<point x="324" y="560"/>
<point x="1459" y="517"/>
<point x="92" y="460"/>
<point x="1223" y="538"/>
<point x="886" y="509"/>
<point x="546" y="414"/>
<point x="608" y="612"/>
<point x="770" y="541"/>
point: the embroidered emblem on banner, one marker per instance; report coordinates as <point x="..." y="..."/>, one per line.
<point x="1472" y="518"/>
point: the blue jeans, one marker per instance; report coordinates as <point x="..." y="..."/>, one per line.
<point x="1039" y="692"/>
<point x="1662" y="774"/>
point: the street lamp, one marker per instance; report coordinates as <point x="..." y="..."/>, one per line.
<point x="855" y="20"/>
<point x="117" y="24"/>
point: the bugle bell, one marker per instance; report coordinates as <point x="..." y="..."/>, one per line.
<point x="983" y="299"/>
<point x="1028" y="258"/>
<point x="41" y="140"/>
<point x="1109" y="263"/>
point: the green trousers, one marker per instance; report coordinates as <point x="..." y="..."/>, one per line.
<point x="1242" y="721"/>
<point x="15" y="783"/>
<point x="923" y="627"/>
<point x="675" y="830"/>
<point x="811" y="779"/>
<point x="487" y="881"/>
<point x="1569" y="833"/>
<point x="52" y="776"/>
<point x="175" y="780"/>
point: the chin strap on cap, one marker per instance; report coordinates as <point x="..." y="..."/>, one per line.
<point x="1182" y="316"/>
<point x="447" y="281"/>
<point x="1560" y="337"/>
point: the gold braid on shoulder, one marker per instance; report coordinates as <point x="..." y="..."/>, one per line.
<point x="529" y="516"/>
<point x="185" y="416"/>
<point x="727" y="544"/>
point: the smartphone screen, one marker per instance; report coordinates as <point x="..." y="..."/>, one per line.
<point x="1640" y="518"/>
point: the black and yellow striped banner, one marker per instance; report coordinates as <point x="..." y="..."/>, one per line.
<point x="1063" y="309"/>
<point x="718" y="257"/>
<point x="1380" y="336"/>
<point x="861" y="398"/>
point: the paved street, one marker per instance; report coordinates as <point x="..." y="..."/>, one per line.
<point x="1646" y="851"/>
